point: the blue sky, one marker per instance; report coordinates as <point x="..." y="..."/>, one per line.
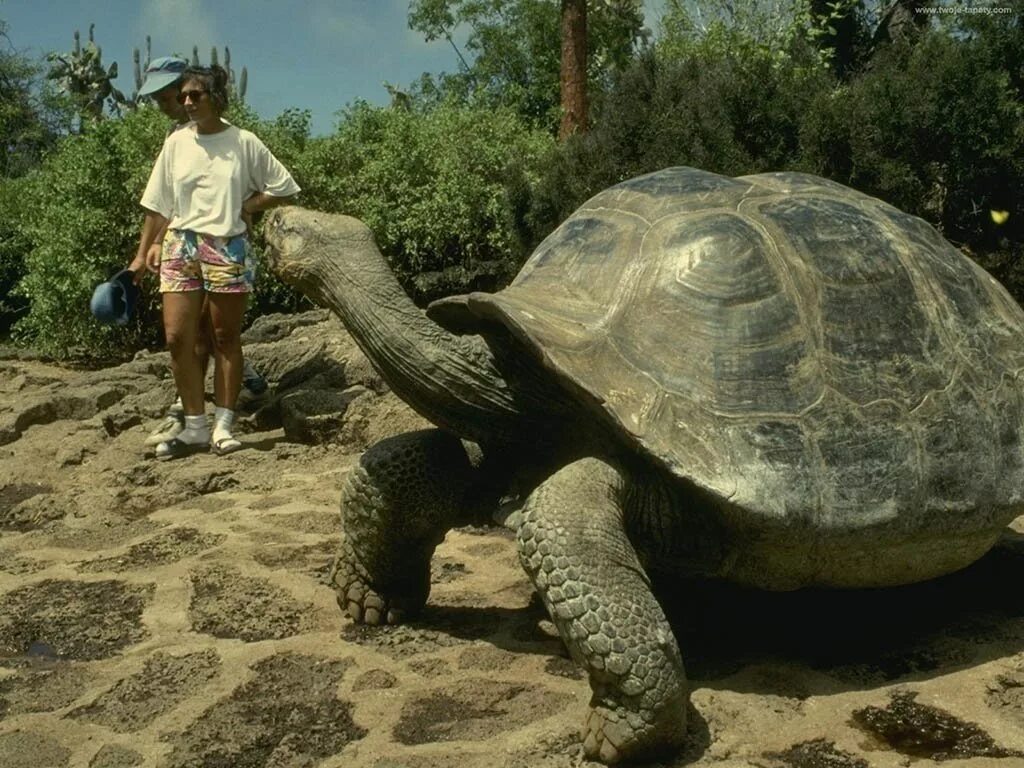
<point x="311" y="54"/>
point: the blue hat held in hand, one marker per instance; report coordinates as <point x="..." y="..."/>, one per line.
<point x="114" y="301"/>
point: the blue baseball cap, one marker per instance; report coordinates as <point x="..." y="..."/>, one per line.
<point x="162" y="72"/>
<point x="114" y="301"/>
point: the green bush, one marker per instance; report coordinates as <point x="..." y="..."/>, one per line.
<point x="727" y="111"/>
<point x="440" y="189"/>
<point x="81" y="216"/>
<point x="80" y="222"/>
<point x="935" y="129"/>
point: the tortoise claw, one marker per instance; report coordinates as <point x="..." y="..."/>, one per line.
<point x="359" y="597"/>
<point x="615" y="735"/>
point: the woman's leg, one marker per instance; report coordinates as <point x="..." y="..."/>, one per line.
<point x="181" y="286"/>
<point x="228" y="272"/>
<point x="204" y="340"/>
<point x="227" y="311"/>
<point x="181" y="328"/>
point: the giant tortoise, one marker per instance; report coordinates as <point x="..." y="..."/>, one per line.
<point x="770" y="379"/>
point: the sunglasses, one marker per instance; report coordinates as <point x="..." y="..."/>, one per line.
<point x="196" y="96"/>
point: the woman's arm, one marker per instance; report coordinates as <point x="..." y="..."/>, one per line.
<point x="261" y="201"/>
<point x="144" y="258"/>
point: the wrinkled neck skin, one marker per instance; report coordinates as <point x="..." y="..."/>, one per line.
<point x="456" y="382"/>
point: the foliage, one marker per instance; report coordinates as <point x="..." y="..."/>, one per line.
<point x="936" y="129"/>
<point x="721" y="101"/>
<point x="13" y="246"/>
<point x="781" y="32"/>
<point x="513" y="50"/>
<point x="439" y="188"/>
<point x="81" y="217"/>
<point x="26" y="127"/>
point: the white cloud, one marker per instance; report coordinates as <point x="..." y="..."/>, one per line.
<point x="176" y="25"/>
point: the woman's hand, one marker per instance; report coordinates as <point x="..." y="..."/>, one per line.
<point x="147" y="257"/>
<point x="153" y="258"/>
<point x="138" y="266"/>
<point x="150" y="262"/>
<point x="250" y="207"/>
<point x="260" y="201"/>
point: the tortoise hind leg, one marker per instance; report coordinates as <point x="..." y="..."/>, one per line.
<point x="573" y="545"/>
<point x="397" y="505"/>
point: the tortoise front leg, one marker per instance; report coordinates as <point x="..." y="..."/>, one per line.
<point x="573" y="545"/>
<point x="397" y="505"/>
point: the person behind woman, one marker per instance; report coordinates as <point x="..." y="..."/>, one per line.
<point x="208" y="181"/>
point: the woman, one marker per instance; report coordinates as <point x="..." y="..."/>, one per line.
<point x="208" y="181"/>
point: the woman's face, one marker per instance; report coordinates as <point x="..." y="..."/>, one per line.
<point x="197" y="102"/>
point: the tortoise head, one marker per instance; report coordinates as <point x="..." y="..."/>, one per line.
<point x="302" y="241"/>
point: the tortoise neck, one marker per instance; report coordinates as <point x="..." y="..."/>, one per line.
<point x="450" y="380"/>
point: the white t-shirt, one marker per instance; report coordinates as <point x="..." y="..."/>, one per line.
<point x="200" y="180"/>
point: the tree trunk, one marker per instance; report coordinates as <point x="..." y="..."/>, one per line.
<point x="902" y="21"/>
<point x="574" y="68"/>
<point x="842" y="34"/>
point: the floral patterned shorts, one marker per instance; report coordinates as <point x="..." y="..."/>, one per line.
<point x="193" y="262"/>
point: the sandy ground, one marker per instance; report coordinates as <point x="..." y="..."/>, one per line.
<point x="178" y="614"/>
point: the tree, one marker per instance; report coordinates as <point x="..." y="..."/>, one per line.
<point x="511" y="53"/>
<point x="573" y="79"/>
<point x="25" y="130"/>
<point x="902" y="21"/>
<point x="840" y="27"/>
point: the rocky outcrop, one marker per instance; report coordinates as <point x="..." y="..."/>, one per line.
<point x="322" y="392"/>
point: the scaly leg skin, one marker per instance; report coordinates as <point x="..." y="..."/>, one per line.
<point x="574" y="547"/>
<point x="396" y="506"/>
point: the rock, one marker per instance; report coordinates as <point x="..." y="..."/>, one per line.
<point x="370" y="419"/>
<point x="36" y="511"/>
<point x="77" y="404"/>
<point x="316" y="416"/>
<point x="271" y="328"/>
<point x="73" y="450"/>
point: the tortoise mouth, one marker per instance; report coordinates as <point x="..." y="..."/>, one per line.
<point x="286" y="242"/>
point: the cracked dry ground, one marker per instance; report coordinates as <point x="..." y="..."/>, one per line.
<point x="174" y="615"/>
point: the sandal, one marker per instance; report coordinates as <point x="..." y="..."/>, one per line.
<point x="225" y="445"/>
<point x="177" y="449"/>
<point x="172" y="425"/>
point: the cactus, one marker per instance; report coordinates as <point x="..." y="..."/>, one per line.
<point x="237" y="88"/>
<point x="82" y="77"/>
<point x="138" y="67"/>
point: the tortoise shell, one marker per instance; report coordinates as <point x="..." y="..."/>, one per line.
<point x="795" y="347"/>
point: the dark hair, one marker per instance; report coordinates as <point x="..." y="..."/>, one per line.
<point x="214" y="80"/>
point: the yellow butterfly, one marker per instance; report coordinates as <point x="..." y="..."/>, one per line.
<point x="999" y="217"/>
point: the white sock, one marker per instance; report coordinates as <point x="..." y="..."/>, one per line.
<point x="195" y="430"/>
<point x="223" y="422"/>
